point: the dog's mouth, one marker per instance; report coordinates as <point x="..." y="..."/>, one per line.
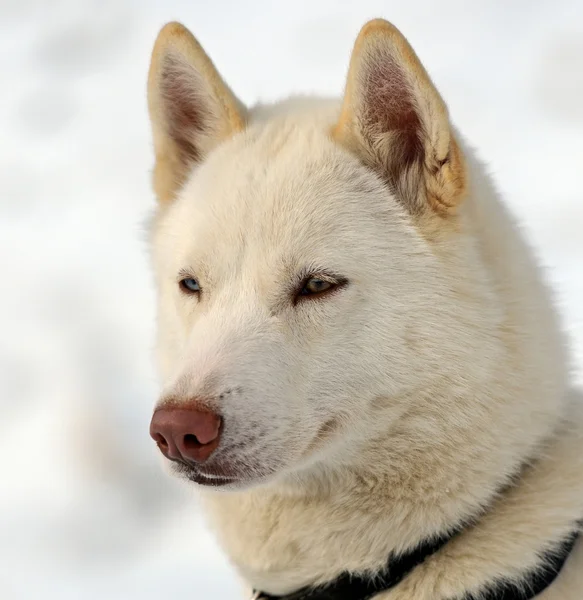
<point x="210" y="480"/>
<point x="207" y="475"/>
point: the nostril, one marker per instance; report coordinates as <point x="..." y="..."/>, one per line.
<point x="161" y="441"/>
<point x="191" y="442"/>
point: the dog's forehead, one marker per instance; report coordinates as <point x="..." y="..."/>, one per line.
<point x="282" y="198"/>
<point x="282" y="183"/>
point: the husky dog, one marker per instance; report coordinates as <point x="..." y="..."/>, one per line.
<point x="363" y="371"/>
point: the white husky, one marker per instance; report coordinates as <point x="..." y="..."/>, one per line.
<point x="358" y="353"/>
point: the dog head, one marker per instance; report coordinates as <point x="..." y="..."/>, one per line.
<point x="316" y="279"/>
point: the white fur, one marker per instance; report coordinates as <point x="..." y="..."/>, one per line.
<point x="399" y="406"/>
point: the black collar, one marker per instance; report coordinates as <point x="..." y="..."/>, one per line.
<point x="349" y="586"/>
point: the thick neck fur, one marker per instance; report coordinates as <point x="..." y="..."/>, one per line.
<point x="309" y="529"/>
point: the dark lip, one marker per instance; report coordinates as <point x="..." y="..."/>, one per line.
<point x="197" y="475"/>
<point x="214" y="481"/>
<point x="201" y="479"/>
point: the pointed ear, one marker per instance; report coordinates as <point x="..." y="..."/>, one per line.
<point x="191" y="108"/>
<point x="394" y="119"/>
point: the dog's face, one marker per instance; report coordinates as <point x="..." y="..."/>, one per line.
<point x="303" y="259"/>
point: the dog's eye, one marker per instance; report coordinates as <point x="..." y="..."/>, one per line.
<point x="315" y="285"/>
<point x="189" y="285"/>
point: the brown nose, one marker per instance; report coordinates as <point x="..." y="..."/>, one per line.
<point x="186" y="434"/>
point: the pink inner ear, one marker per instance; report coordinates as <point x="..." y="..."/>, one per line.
<point x="184" y="109"/>
<point x="389" y="106"/>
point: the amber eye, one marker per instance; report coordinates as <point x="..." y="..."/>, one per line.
<point x="315" y="285"/>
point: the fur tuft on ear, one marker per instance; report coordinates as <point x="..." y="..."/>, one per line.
<point x="394" y="119"/>
<point x="191" y="108"/>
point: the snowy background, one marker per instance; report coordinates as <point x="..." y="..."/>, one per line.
<point x="85" y="512"/>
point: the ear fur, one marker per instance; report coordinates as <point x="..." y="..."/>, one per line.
<point x="394" y="119"/>
<point x="191" y="108"/>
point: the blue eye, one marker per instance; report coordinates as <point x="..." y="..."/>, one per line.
<point x="189" y="285"/>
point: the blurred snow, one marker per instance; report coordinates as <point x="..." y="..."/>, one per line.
<point x="85" y="511"/>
